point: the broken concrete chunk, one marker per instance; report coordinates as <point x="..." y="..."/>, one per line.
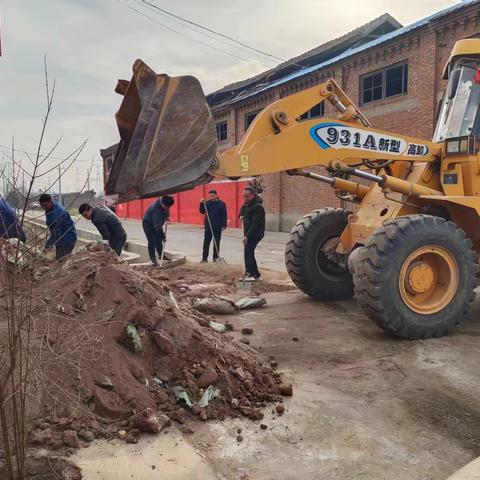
<point x="215" y="305"/>
<point x="104" y="382"/>
<point x="247" y="331"/>
<point x="250" y="302"/>
<point x="173" y="301"/>
<point x="130" y="338"/>
<point x="218" y="327"/>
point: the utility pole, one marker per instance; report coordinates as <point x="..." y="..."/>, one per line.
<point x="60" y="185"/>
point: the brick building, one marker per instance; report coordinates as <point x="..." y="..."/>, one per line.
<point x="392" y="72"/>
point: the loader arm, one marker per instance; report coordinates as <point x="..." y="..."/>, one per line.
<point x="278" y="141"/>
<point x="168" y="139"/>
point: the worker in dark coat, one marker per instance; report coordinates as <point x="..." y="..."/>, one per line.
<point x="253" y="215"/>
<point x="155" y="216"/>
<point x="215" y="213"/>
<point x="107" y="223"/>
<point x="9" y="225"/>
<point x="63" y="235"/>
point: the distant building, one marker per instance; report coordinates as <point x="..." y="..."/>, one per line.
<point x="392" y="72"/>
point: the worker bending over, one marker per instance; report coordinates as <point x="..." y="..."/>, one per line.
<point x="253" y="215"/>
<point x="107" y="223"/>
<point x="63" y="235"/>
<point x="155" y="216"/>
<point x="9" y="225"/>
<point x="215" y="213"/>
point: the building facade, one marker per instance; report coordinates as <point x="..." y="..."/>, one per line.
<point x="392" y="72"/>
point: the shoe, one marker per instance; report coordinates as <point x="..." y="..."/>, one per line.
<point x="153" y="262"/>
<point x="203" y="261"/>
<point x="249" y="278"/>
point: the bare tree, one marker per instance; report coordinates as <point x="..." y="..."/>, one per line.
<point x="18" y="263"/>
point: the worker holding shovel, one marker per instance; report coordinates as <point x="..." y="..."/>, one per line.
<point x="155" y="216"/>
<point x="215" y="212"/>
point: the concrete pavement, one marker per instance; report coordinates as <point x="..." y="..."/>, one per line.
<point x="188" y="240"/>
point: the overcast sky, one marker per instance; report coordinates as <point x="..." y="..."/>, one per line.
<point x="92" y="43"/>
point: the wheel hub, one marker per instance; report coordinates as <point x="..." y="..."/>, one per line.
<point x="420" y="277"/>
<point x="428" y="279"/>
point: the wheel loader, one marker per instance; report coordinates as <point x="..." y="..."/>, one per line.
<point x="407" y="249"/>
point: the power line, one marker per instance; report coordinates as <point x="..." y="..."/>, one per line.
<point x="9" y="149"/>
<point x="205" y="34"/>
<point x="214" y="32"/>
<point x="189" y="37"/>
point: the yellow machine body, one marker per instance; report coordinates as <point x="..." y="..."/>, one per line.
<point x="413" y="240"/>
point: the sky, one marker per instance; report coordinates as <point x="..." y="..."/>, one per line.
<point x="89" y="44"/>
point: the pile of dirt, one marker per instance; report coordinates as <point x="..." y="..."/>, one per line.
<point x="117" y="353"/>
<point x="205" y="279"/>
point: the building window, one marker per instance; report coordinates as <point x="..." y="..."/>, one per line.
<point x="249" y="117"/>
<point x="386" y="83"/>
<point x="317" y="111"/>
<point x="222" y="131"/>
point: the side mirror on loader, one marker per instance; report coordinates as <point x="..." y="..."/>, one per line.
<point x="453" y="82"/>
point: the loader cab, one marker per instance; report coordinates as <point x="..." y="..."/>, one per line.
<point x="458" y="114"/>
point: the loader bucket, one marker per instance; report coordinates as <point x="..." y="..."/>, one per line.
<point x="167" y="136"/>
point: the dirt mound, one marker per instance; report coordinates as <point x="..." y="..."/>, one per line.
<point x="117" y="352"/>
<point x="202" y="279"/>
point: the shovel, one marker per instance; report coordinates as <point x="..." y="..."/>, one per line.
<point x="215" y="246"/>
<point x="164" y="242"/>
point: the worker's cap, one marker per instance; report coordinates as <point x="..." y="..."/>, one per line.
<point x="168" y="200"/>
<point x="214" y="192"/>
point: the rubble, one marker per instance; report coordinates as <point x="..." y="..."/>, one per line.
<point x="147" y="421"/>
<point x="121" y="353"/>
<point x="285" y="389"/>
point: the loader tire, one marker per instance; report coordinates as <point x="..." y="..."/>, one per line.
<point x="315" y="274"/>
<point x="416" y="276"/>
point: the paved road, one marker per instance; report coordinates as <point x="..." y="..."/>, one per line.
<point x="188" y="240"/>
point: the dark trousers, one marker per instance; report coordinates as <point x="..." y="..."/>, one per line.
<point x="249" y="255"/>
<point x="155" y="240"/>
<point x="117" y="242"/>
<point x="217" y="234"/>
<point x="63" y="249"/>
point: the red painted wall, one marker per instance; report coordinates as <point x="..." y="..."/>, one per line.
<point x="186" y="205"/>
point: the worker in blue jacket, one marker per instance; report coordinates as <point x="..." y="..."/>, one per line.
<point x="152" y="223"/>
<point x="9" y="225"/>
<point x="63" y="235"/>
